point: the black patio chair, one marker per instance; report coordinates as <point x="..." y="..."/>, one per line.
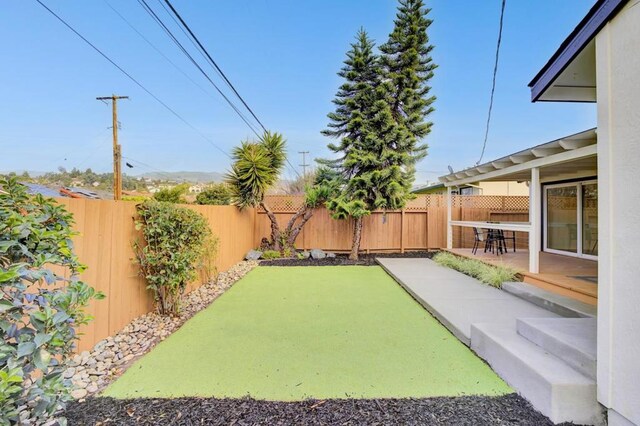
<point x="479" y="237"/>
<point x="495" y="242"/>
<point x="504" y="237"/>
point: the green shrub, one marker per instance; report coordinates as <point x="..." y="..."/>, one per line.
<point x="488" y="274"/>
<point x="173" y="244"/>
<point x="271" y="254"/>
<point x="172" y="195"/>
<point x="136" y="198"/>
<point x="217" y="194"/>
<point x="40" y="309"/>
<point x="207" y="264"/>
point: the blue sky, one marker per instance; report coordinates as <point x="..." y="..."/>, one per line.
<point x="282" y="55"/>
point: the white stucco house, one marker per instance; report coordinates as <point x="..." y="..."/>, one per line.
<point x="585" y="204"/>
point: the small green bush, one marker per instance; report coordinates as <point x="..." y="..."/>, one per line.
<point x="271" y="254"/>
<point x="488" y="274"/>
<point x="40" y="309"/>
<point x="217" y="194"/>
<point x="174" y="241"/>
<point x="172" y="195"/>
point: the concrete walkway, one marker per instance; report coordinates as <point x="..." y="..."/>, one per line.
<point x="457" y="300"/>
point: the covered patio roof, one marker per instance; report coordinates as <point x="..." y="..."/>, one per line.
<point x="571" y="156"/>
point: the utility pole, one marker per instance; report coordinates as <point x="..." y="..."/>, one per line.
<point x="117" y="153"/>
<point x="304" y="164"/>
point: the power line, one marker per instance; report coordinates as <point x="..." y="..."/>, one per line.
<point x="493" y="84"/>
<point x="132" y="78"/>
<point x="175" y="12"/>
<point x="148" y="167"/>
<point x="203" y="51"/>
<point x="155" y="48"/>
<point x="166" y="29"/>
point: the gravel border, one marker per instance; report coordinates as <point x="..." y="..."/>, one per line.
<point x="509" y="409"/>
<point x="343" y="259"/>
<point x="91" y="371"/>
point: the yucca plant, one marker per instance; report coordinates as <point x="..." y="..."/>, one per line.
<point x="256" y="167"/>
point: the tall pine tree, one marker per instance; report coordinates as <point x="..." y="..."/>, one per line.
<point x="408" y="67"/>
<point x="372" y="161"/>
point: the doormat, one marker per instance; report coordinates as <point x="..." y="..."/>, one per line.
<point x="590" y="278"/>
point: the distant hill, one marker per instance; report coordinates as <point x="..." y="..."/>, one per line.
<point x="195" y="177"/>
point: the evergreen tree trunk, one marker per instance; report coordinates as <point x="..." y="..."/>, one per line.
<point x="294" y="231"/>
<point x="275" y="229"/>
<point x="357" y="236"/>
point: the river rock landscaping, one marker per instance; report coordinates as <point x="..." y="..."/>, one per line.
<point x="91" y="371"/>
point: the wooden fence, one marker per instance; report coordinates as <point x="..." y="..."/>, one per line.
<point x="107" y="231"/>
<point x="421" y="225"/>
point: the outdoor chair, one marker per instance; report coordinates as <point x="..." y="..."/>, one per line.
<point x="479" y="237"/>
<point x="495" y="242"/>
<point x="504" y="237"/>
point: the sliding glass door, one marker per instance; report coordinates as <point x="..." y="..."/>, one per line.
<point x="571" y="219"/>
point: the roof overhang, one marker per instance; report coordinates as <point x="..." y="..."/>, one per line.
<point x="567" y="157"/>
<point x="570" y="74"/>
<point x="429" y="187"/>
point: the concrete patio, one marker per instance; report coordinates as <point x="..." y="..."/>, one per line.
<point x="547" y="358"/>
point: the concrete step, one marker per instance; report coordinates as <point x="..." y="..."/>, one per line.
<point x="573" y="340"/>
<point x="561" y="305"/>
<point x="553" y="387"/>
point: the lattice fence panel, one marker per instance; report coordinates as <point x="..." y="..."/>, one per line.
<point x="291" y="203"/>
<point x="520" y="203"/>
<point x="283" y="203"/>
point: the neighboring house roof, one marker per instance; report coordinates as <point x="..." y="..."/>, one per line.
<point x="505" y="166"/>
<point x="35" y="188"/>
<point x="582" y="35"/>
<point x="83" y="193"/>
<point x="427" y="188"/>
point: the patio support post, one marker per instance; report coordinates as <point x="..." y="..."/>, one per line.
<point x="535" y="209"/>
<point x="449" y="227"/>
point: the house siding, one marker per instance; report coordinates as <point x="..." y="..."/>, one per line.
<point x="618" y="93"/>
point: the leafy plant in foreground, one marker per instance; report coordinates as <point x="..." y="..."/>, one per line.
<point x="42" y="303"/>
<point x="174" y="241"/>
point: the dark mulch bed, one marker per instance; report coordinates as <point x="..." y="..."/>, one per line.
<point x="470" y="410"/>
<point x="343" y="259"/>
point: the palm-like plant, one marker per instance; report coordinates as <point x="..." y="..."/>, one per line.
<point x="256" y="167"/>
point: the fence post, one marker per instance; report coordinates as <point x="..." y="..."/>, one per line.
<point x="449" y="215"/>
<point x="402" y="229"/>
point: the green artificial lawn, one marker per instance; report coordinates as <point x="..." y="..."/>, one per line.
<point x="293" y="333"/>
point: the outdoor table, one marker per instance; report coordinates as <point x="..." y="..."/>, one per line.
<point x="493" y="227"/>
